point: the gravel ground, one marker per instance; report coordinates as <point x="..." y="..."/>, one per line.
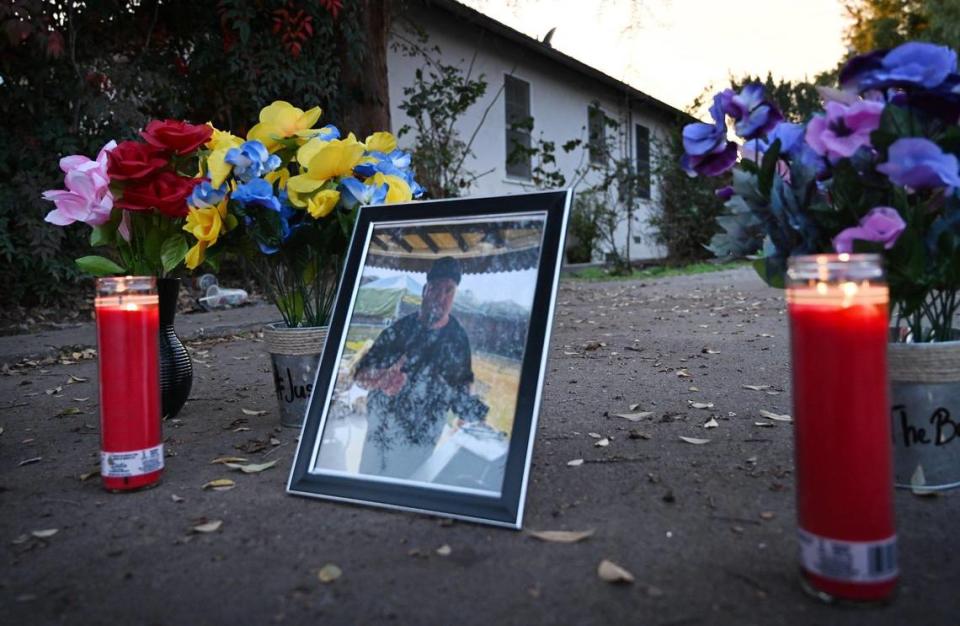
<point x="708" y="531"/>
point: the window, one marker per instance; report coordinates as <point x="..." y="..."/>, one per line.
<point x="519" y="124"/>
<point x="596" y="127"/>
<point x="643" y="162"/>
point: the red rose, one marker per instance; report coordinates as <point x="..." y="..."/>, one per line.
<point x="132" y="160"/>
<point x="176" y="136"/>
<point x="165" y="192"/>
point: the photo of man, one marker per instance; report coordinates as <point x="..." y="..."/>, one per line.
<point x="417" y="370"/>
<point x="429" y="366"/>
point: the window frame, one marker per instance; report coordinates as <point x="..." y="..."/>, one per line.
<point x="513" y="168"/>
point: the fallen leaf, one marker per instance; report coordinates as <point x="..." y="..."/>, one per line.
<point x="575" y="463"/>
<point x="228" y="459"/>
<point x="329" y="573"/>
<point x="274" y="441"/>
<point x="72" y="410"/>
<point x="775" y="417"/>
<point x="764" y="424"/>
<point x="765" y="335"/>
<point x="636" y="434"/>
<point x="54" y="390"/>
<point x="755" y="387"/>
<point x="81" y="399"/>
<point x="633" y="407"/>
<point x="45" y="534"/>
<point x="220" y="484"/>
<point x="252" y="412"/>
<point x="693" y="389"/>
<point x="634" y="417"/>
<point x="694" y="440"/>
<point x="561" y="536"/>
<point x="252" y="468"/>
<point x="700" y="405"/>
<point x="75" y="379"/>
<point x="444" y="550"/>
<point x="709" y="351"/>
<point x="35" y="459"/>
<point x="176" y="498"/>
<point x="241" y="429"/>
<point x="208" y="527"/>
<point x="767" y="515"/>
<point x="613" y="573"/>
<point x="603" y="443"/>
<point x="712" y="423"/>
<point x="595" y="435"/>
<point x="683" y="374"/>
<point x="88" y="475"/>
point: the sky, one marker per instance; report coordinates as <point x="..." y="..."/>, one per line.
<point x="673" y="49"/>
<point x="497" y="287"/>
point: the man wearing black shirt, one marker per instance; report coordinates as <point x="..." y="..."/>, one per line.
<point x="417" y="370"/>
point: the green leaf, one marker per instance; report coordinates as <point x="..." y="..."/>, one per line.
<point x="99" y="266"/>
<point x="103" y="235"/>
<point x="173" y="251"/>
<point x="768" y="167"/>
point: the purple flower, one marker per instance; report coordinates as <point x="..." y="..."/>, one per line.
<point x="755" y="115"/>
<point x="712" y="164"/>
<point x="882" y="224"/>
<point x="844" y="129"/>
<point x="790" y="136"/>
<point x="724" y="193"/>
<point x="920" y="164"/>
<point x="913" y="64"/>
<point x="87" y="196"/>
<point x="700" y="139"/>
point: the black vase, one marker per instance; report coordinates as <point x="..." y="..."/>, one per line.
<point x="176" y="369"/>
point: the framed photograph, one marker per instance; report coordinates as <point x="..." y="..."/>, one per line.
<point x="427" y="393"/>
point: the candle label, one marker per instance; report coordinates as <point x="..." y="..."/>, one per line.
<point x="131" y="463"/>
<point x="849" y="561"/>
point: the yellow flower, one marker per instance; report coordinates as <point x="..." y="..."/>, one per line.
<point x="218" y="167"/>
<point x="281" y="174"/>
<point x="397" y="189"/>
<point x="204" y="224"/>
<point x="323" y="202"/>
<point x="222" y="139"/>
<point x="324" y="160"/>
<point x="281" y="120"/>
<point x="381" y="142"/>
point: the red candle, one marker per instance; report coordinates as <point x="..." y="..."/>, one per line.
<point x="131" y="450"/>
<point x="838" y="322"/>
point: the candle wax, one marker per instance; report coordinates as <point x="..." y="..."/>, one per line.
<point x="127" y="340"/>
<point x="842" y="431"/>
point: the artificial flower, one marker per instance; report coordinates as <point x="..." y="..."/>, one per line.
<point x="205" y="195"/>
<point x="920" y="164"/>
<point x="322" y="203"/>
<point x="357" y="192"/>
<point x="912" y="65"/>
<point x="397" y="189"/>
<point x="381" y="142"/>
<point x="323" y="161"/>
<point x="257" y="192"/>
<point x="206" y="225"/>
<point x="87" y="196"/>
<point x="176" y="136"/>
<point x="882" y="225"/>
<point x="220" y="139"/>
<point x="754" y="114"/>
<point x="280" y="120"/>
<point x="251" y="160"/>
<point x="134" y="160"/>
<point x="700" y="138"/>
<point x="843" y="129"/>
<point x="166" y="192"/>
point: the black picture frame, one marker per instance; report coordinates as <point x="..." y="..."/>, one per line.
<point x="501" y="509"/>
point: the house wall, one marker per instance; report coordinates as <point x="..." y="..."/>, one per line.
<point x="559" y="101"/>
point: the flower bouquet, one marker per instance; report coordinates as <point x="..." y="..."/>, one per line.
<point x="876" y="171"/>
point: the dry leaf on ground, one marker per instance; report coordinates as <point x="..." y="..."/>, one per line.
<point x="176" y="498"/>
<point x="603" y="443"/>
<point x="775" y="416"/>
<point x="575" y="463"/>
<point x="561" y="536"/>
<point x="634" y="417"/>
<point x="88" y="475"/>
<point x="252" y="468"/>
<point x="228" y="459"/>
<point x="444" y="550"/>
<point x="220" y="484"/>
<point x="75" y="379"/>
<point x="700" y="405"/>
<point x="595" y="435"/>
<point x="764" y="424"/>
<point x="755" y="387"/>
<point x="45" y="534"/>
<point x="694" y="440"/>
<point x="712" y="423"/>
<point x="329" y="573"/>
<point x="208" y="527"/>
<point x="72" y="410"/>
<point x="683" y="374"/>
<point x="613" y="573"/>
<point x="252" y="412"/>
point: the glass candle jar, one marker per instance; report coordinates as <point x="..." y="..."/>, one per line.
<point x="837" y="307"/>
<point x="128" y="319"/>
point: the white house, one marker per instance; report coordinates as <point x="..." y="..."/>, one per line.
<point x="528" y="78"/>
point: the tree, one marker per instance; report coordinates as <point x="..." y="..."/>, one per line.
<point x="888" y="23"/>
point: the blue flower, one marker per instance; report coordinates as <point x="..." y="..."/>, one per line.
<point x="755" y="115"/>
<point x="355" y="192"/>
<point x="205" y="195"/>
<point x="257" y="192"/>
<point x="913" y="64"/>
<point x="790" y="136"/>
<point x="700" y="139"/>
<point x="920" y="164"/>
<point x="711" y="164"/>
<point x="396" y="163"/>
<point x="251" y="160"/>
